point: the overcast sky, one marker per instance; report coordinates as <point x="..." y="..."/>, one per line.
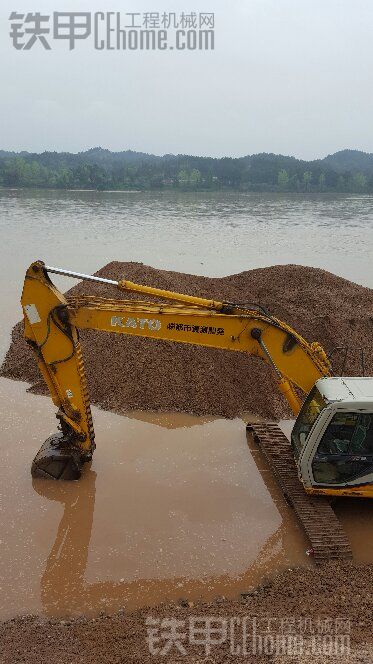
<point x="286" y="76"/>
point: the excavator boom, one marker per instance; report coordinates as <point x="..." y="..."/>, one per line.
<point x="52" y="322"/>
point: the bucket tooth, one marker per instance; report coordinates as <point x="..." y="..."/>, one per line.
<point x="58" y="459"/>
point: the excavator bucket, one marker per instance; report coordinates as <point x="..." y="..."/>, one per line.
<point x="58" y="460"/>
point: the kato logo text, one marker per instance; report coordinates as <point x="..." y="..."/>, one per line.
<point x="151" y="324"/>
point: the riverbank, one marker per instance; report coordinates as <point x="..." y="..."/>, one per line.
<point x="308" y="616"/>
<point x="347" y="171"/>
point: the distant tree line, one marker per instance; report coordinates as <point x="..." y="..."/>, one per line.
<point x="104" y="170"/>
<point x="308" y="181"/>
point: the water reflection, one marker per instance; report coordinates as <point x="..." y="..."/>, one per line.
<point x="169" y="420"/>
<point x="164" y="512"/>
<point x="65" y="590"/>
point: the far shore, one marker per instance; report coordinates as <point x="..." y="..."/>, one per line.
<point x="195" y="191"/>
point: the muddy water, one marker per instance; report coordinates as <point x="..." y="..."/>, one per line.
<point x="172" y="506"/>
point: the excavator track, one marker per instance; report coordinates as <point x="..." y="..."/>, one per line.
<point x="317" y="518"/>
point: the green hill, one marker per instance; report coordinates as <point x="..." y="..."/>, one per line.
<point x="350" y="160"/>
<point x="98" y="168"/>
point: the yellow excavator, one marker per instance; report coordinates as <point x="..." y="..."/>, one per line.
<point x="332" y="438"/>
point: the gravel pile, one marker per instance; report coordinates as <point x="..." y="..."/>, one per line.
<point x="128" y="373"/>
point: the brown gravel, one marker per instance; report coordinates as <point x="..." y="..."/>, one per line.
<point x="305" y="599"/>
<point x="129" y="373"/>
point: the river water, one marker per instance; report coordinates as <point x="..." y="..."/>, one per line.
<point x="173" y="505"/>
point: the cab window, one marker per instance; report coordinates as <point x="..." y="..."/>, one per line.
<point x="345" y="451"/>
<point x="310" y="411"/>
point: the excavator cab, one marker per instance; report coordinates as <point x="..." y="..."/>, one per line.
<point x="332" y="438"/>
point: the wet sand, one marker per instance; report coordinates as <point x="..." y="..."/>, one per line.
<point x="306" y="616"/>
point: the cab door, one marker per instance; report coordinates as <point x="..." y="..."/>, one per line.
<point x="344" y="455"/>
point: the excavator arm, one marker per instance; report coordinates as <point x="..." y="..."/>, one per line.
<point x="51" y="328"/>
